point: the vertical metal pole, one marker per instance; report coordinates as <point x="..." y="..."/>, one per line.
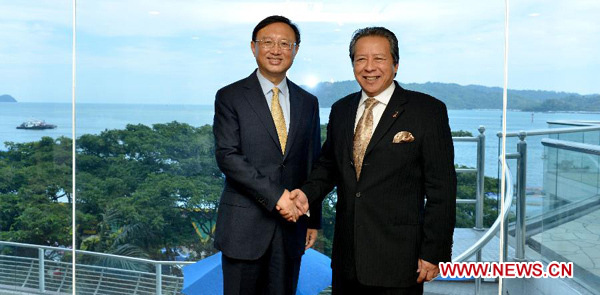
<point x="499" y="198"/>
<point x="479" y="196"/>
<point x="504" y="241"/>
<point x="73" y="154"/>
<point x="478" y="279"/>
<point x="505" y="244"/>
<point x="158" y="279"/>
<point x="41" y="266"/>
<point x="480" y="179"/>
<point x="501" y="286"/>
<point x="521" y="196"/>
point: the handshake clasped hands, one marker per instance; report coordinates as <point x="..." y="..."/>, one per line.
<point x="292" y="205"/>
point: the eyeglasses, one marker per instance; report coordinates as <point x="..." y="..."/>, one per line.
<point x="283" y="44"/>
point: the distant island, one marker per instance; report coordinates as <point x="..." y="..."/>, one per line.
<point x="474" y="96"/>
<point x="7" y="98"/>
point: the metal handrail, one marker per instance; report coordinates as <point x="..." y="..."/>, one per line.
<point x="41" y="249"/>
<point x="491" y="232"/>
<point x="584" y="148"/>
<point x="135" y="259"/>
<point x="90" y="277"/>
<point x="465" y="139"/>
<point x="480" y="175"/>
<point x="550" y="131"/>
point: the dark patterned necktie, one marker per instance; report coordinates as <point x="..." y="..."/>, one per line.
<point x="362" y="135"/>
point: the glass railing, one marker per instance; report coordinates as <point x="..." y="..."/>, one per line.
<point x="536" y="157"/>
<point x="557" y="222"/>
<point x="570" y="228"/>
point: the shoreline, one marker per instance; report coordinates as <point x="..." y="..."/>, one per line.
<point x="322" y="107"/>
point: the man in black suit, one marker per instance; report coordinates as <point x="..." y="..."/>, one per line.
<point x="267" y="136"/>
<point x="387" y="151"/>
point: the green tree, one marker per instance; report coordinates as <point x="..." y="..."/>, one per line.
<point x="138" y="190"/>
<point x="150" y="181"/>
<point x="141" y="191"/>
<point x="34" y="176"/>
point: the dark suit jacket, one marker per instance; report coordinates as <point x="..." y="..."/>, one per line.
<point x="382" y="222"/>
<point x="256" y="173"/>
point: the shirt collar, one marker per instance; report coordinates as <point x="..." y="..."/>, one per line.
<point x="383" y="97"/>
<point x="267" y="85"/>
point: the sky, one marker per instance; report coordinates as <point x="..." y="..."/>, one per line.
<point x="182" y="52"/>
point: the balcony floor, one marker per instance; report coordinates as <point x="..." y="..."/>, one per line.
<point x="466" y="237"/>
<point x="577" y="241"/>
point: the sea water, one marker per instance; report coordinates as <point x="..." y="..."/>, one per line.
<point x="95" y="118"/>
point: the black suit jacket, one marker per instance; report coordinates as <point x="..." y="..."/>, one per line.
<point x="256" y="173"/>
<point x="383" y="224"/>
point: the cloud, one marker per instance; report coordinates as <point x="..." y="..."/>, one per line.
<point x="189" y="46"/>
<point x="169" y="18"/>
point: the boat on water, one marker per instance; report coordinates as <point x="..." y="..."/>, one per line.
<point x="36" y="125"/>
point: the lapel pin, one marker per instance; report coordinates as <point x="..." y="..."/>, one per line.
<point x="395" y="115"/>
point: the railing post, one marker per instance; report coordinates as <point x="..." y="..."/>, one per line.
<point x="478" y="279"/>
<point x="504" y="234"/>
<point x="158" y="278"/>
<point x="41" y="266"/>
<point x="480" y="178"/>
<point x="499" y="171"/>
<point x="479" y="196"/>
<point x="521" y="196"/>
<point x="504" y="231"/>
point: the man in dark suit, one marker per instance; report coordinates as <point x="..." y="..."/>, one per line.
<point x="267" y="136"/>
<point x="387" y="151"/>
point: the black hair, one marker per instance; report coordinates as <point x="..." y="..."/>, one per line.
<point x="276" y="19"/>
<point x="376" y="31"/>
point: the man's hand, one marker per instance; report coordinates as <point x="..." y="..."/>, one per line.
<point x="311" y="237"/>
<point x="287" y="208"/>
<point x="300" y="200"/>
<point x="427" y="271"/>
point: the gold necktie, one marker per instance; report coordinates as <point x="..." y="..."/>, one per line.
<point x="278" y="118"/>
<point x="362" y="135"/>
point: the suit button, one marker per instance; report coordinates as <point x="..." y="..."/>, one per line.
<point x="358" y="195"/>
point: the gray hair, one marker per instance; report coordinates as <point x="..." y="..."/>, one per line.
<point x="376" y="31"/>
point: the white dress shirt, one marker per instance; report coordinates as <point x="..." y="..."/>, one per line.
<point x="284" y="96"/>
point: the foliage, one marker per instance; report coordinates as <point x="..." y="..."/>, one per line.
<point x="473" y="96"/>
<point x="139" y="190"/>
<point x="462" y="133"/>
<point x="33" y="177"/>
<point x="588" y="103"/>
<point x="466" y="189"/>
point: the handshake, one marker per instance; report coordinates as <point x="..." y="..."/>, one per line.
<point x="292" y="205"/>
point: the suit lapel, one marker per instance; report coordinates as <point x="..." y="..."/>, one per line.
<point x="296" y="110"/>
<point x="258" y="102"/>
<point x="393" y="111"/>
<point x="351" y="118"/>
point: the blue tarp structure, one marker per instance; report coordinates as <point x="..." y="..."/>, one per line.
<point x="206" y="276"/>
